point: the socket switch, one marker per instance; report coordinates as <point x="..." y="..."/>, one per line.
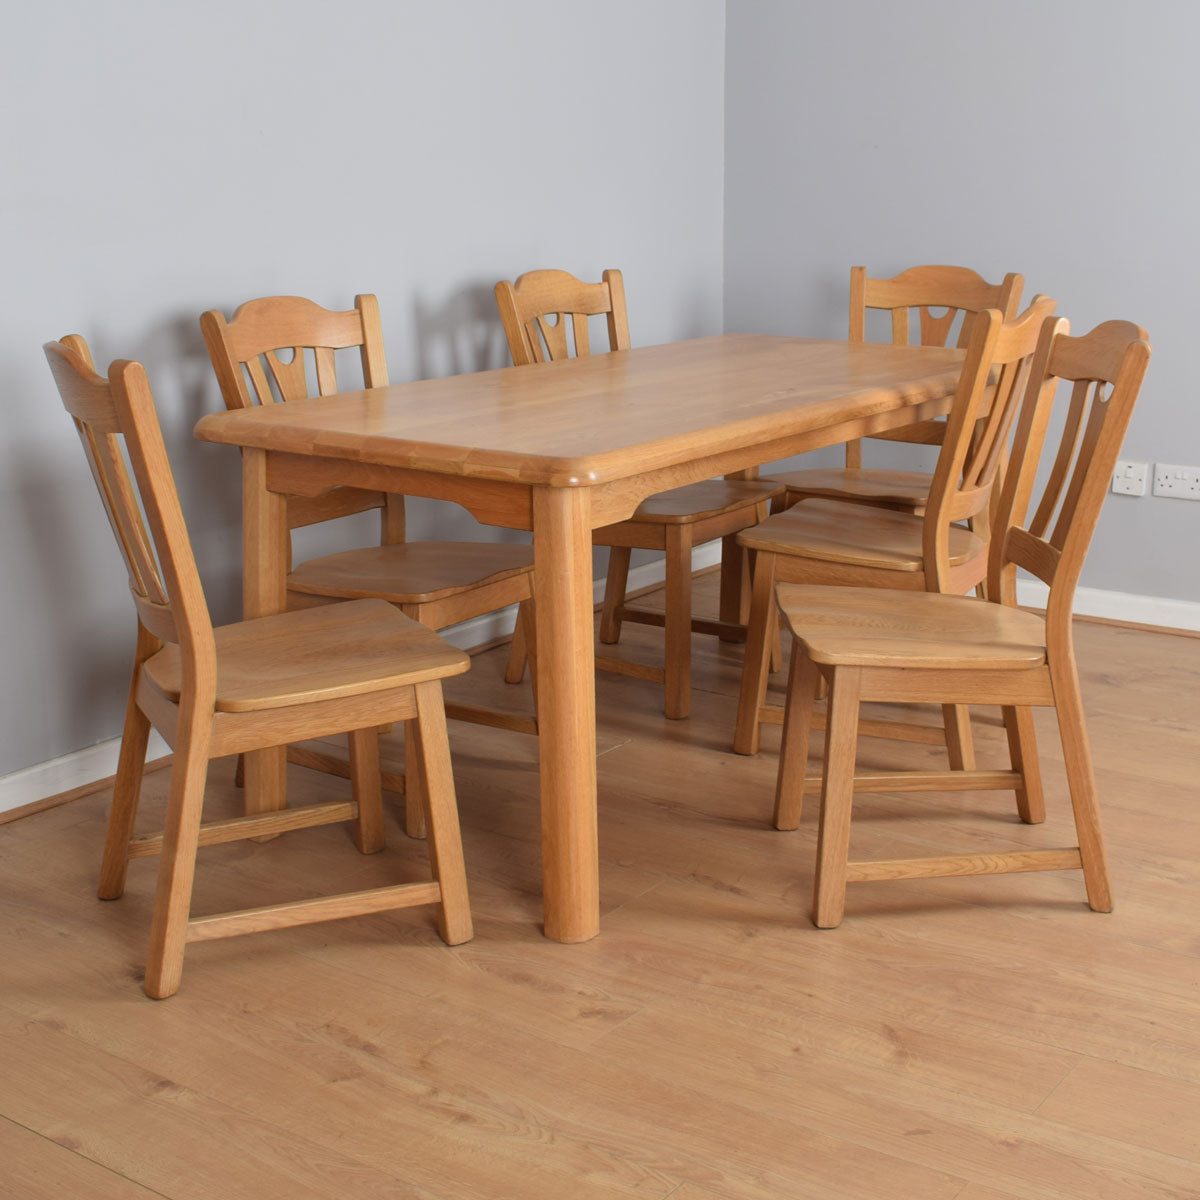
<point x="1129" y="479"/>
<point x="1181" y="483"/>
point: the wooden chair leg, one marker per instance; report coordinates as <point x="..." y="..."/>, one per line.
<point x="797" y="725"/>
<point x="960" y="746"/>
<point x="1022" y="750"/>
<point x="266" y="782"/>
<point x="776" y="640"/>
<point x="177" y="867"/>
<point x="744" y="615"/>
<point x="514" y="672"/>
<point x="445" y="839"/>
<point x="754" y="670"/>
<point x="746" y="565"/>
<point x="679" y="622"/>
<point x="733" y="589"/>
<point x="1077" y="757"/>
<point x="367" y="785"/>
<point x="614" y="594"/>
<point x="414" y="783"/>
<point x="528" y="617"/>
<point x="126" y="791"/>
<point x="837" y="798"/>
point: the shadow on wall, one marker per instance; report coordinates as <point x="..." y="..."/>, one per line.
<point x="459" y="336"/>
<point x="73" y="574"/>
<point x="208" y="476"/>
<point x="65" y="550"/>
<point x="70" y="621"/>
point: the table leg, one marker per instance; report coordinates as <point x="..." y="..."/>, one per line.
<point x="264" y="591"/>
<point x="562" y="558"/>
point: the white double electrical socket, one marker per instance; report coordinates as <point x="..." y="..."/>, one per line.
<point x="1181" y="483"/>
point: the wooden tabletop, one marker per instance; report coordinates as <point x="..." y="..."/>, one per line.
<point x="561" y="449"/>
<point x="578" y="423"/>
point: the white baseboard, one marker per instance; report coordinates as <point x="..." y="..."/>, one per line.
<point x="97" y="762"/>
<point x="1119" y="606"/>
<point x="71" y="771"/>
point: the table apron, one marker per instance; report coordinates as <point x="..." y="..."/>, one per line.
<point x="490" y="501"/>
<point x="615" y="501"/>
<point x="509" y="504"/>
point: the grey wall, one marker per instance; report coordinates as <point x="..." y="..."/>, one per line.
<point x="1058" y="140"/>
<point x="164" y="159"/>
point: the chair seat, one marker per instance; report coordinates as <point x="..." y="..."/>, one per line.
<point x="900" y="489"/>
<point x="708" y="498"/>
<point x="879" y="627"/>
<point x="841" y="532"/>
<point x="324" y="653"/>
<point x="411" y="572"/>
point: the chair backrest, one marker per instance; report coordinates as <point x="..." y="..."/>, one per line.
<point x="536" y="308"/>
<point x="245" y="350"/>
<point x="162" y="571"/>
<point x="937" y="297"/>
<point x="919" y="291"/>
<point x="996" y="370"/>
<point x="1105" y="369"/>
<point x="245" y="354"/>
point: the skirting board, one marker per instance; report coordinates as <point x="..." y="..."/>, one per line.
<point x="1119" y="606"/>
<point x="71" y="771"/>
<point x="99" y="761"/>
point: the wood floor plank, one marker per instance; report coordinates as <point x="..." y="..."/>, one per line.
<point x="1140" y="1107"/>
<point x="975" y="1191"/>
<point x="606" y="1129"/>
<point x="955" y="1039"/>
<point x="36" y="1168"/>
<point x="148" y="1127"/>
<point x="887" y="1112"/>
<point x="314" y="1052"/>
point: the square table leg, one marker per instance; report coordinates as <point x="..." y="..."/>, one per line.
<point x="562" y="557"/>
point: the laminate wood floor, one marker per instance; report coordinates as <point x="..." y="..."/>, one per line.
<point x="963" y="1039"/>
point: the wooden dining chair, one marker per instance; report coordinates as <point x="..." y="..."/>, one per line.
<point x="938" y="301"/>
<point x="837" y="542"/>
<point x="537" y="311"/>
<point x="434" y="582"/>
<point x="902" y="646"/>
<point x="247" y="686"/>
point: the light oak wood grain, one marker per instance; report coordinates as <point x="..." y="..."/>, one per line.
<point x="939" y="300"/>
<point x="610" y="416"/>
<point x="39" y="1168"/>
<point x="617" y="427"/>
<point x="260" y="683"/>
<point x="963" y="650"/>
<point x="537" y="311"/>
<point x="118" y="1112"/>
<point x="437" y="583"/>
<point x="710" y="1043"/>
<point x="1095" y="1098"/>
<point x="833" y="542"/>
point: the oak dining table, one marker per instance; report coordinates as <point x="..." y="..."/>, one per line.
<point x="560" y="449"/>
